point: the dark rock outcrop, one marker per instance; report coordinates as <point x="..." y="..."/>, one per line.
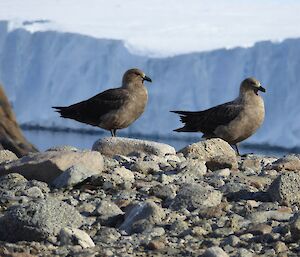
<point x="11" y="137"/>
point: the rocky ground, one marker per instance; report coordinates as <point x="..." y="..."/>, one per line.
<point x="138" y="198"/>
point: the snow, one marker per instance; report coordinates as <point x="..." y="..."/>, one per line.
<point x="45" y="69"/>
<point x="161" y="27"/>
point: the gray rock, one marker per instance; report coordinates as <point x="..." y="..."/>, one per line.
<point x="163" y="192"/>
<point x="209" y="149"/>
<point x="295" y="227"/>
<point x="145" y="167"/>
<point x="38" y="220"/>
<point x="215" y="251"/>
<point x="48" y="165"/>
<point x="72" y="176"/>
<point x="192" y="196"/>
<point x="109" y="213"/>
<point x="74" y="236"/>
<point x="12" y="181"/>
<point x="264" y="216"/>
<point x="7" y="156"/>
<point x="111" y="146"/>
<point x="146" y="212"/>
<point x="285" y="189"/>
<point x="191" y="170"/>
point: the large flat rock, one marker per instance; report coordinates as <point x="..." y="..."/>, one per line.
<point x="111" y="146"/>
<point x="48" y="165"/>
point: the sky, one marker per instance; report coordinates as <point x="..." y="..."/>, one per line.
<point x="162" y="27"/>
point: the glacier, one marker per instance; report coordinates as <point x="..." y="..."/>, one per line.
<point x="50" y="68"/>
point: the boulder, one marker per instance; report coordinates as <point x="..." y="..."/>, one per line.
<point x="111" y="146"/>
<point x="38" y="220"/>
<point x="48" y="165"/>
<point x="7" y="156"/>
<point x="287" y="163"/>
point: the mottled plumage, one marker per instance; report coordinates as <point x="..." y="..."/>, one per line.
<point x="114" y="108"/>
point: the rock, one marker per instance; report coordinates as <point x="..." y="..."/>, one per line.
<point x="280" y="247"/>
<point x="38" y="220"/>
<point x="260" y="229"/>
<point x="156" y="245"/>
<point x="209" y="150"/>
<point x="148" y="212"/>
<point x="215" y="251"/>
<point x="145" y="167"/>
<point x="11" y="137"/>
<point x="48" y="165"/>
<point x="190" y="170"/>
<point x="109" y="213"/>
<point x="264" y="216"/>
<point x="7" y="156"/>
<point x="222" y="162"/>
<point x="295" y="227"/>
<point x="285" y="189"/>
<point x="67" y="148"/>
<point x="163" y="192"/>
<point x="286" y="163"/>
<point x="72" y="176"/>
<point x="111" y="146"/>
<point x="192" y="196"/>
<point x="74" y="236"/>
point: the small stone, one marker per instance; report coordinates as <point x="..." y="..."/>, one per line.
<point x="156" y="245"/>
<point x="109" y="213"/>
<point x="295" y="227"/>
<point x="284" y="188"/>
<point x="215" y="251"/>
<point x="232" y="240"/>
<point x="66" y="148"/>
<point x="223" y="172"/>
<point x="280" y="247"/>
<point x="145" y="167"/>
<point x="74" y="236"/>
<point x="34" y="192"/>
<point x="264" y="216"/>
<point x="286" y="163"/>
<point x="260" y="229"/>
<point x="163" y="191"/>
<point x="199" y="231"/>
<point x="222" y="162"/>
<point x="192" y="196"/>
<point x="72" y="176"/>
<point x="7" y="156"/>
<point x="147" y="211"/>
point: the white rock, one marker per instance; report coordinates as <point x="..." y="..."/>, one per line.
<point x="6" y="156"/>
<point x="74" y="236"/>
<point x="215" y="251"/>
<point x="111" y="146"/>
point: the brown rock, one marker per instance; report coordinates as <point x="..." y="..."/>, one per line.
<point x="11" y="137"/>
<point x="286" y="163"/>
<point x="48" y="165"/>
<point x="280" y="247"/>
<point x="260" y="229"/>
<point x="156" y="245"/>
<point x="222" y="162"/>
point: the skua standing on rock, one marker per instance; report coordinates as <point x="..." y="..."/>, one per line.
<point x="234" y="121"/>
<point x="114" y="108"/>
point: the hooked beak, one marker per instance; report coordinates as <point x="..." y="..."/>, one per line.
<point x="146" y="78"/>
<point x="262" y="89"/>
